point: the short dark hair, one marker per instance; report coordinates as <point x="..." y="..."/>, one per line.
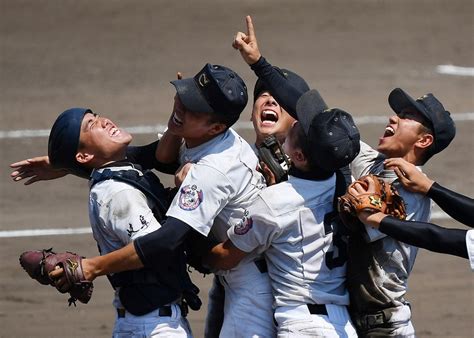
<point x="425" y="128"/>
<point x="228" y="120"/>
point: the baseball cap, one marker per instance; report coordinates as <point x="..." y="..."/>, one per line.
<point x="332" y="134"/>
<point x="215" y="89"/>
<point x="428" y="105"/>
<point x="64" y="141"/>
<point x="293" y="79"/>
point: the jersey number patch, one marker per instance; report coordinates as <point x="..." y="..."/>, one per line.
<point x="338" y="256"/>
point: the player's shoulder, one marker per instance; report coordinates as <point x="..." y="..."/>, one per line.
<point x="107" y="189"/>
<point x="230" y="152"/>
<point x="278" y="199"/>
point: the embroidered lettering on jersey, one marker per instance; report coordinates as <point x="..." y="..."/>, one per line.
<point x="190" y="197"/>
<point x="143" y="221"/>
<point x="244" y="225"/>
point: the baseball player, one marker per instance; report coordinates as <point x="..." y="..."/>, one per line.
<point x="222" y="182"/>
<point x="268" y="117"/>
<point x="119" y="213"/>
<point x="420" y="129"/>
<point x="291" y="222"/>
<point x="458" y="242"/>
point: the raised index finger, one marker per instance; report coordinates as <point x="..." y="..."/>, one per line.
<point x="250" y="29"/>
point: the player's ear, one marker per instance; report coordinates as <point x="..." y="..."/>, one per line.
<point x="299" y="157"/>
<point x="424" y="141"/>
<point x="217" y="128"/>
<point x="84" y="157"/>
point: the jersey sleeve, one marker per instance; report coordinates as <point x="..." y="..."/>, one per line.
<point x="285" y="94"/>
<point x="203" y="194"/>
<point x="458" y="206"/>
<point x="128" y="215"/>
<point x="255" y="231"/>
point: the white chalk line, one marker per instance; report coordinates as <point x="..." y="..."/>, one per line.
<point x="435" y="215"/>
<point x="154" y="129"/>
<point x="455" y="70"/>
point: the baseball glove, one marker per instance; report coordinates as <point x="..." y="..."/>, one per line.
<point x="384" y="199"/>
<point x="39" y="263"/>
<point x="272" y="155"/>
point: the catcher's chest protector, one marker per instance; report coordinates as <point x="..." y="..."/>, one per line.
<point x="148" y="183"/>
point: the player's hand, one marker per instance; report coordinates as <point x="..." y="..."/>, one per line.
<point x="181" y="173"/>
<point x="59" y="278"/>
<point x="246" y="43"/>
<point x="36" y="169"/>
<point x="358" y="189"/>
<point x="267" y="173"/>
<point x="370" y="218"/>
<point x="409" y="176"/>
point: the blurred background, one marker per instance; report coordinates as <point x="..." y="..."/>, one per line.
<point x="117" y="58"/>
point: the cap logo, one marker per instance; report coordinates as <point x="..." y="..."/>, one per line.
<point x="203" y="80"/>
<point x="422" y="97"/>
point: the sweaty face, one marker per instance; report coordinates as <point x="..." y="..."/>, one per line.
<point x="193" y="127"/>
<point x="401" y="134"/>
<point x="100" y="136"/>
<point x="269" y="118"/>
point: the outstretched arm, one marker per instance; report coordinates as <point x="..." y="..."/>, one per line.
<point x="424" y="235"/>
<point x="284" y="93"/>
<point x="35" y="169"/>
<point x="149" y="250"/>
<point x="458" y="206"/>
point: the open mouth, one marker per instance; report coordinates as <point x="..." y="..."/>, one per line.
<point x="389" y="131"/>
<point x="114" y="131"/>
<point x="269" y="117"/>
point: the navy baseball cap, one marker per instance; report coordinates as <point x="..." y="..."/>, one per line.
<point x="293" y="79"/>
<point x="63" y="141"/>
<point x="215" y="89"/>
<point x="428" y="105"/>
<point x="332" y="134"/>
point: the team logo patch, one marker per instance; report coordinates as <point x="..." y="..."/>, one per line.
<point x="244" y="225"/>
<point x="190" y="197"/>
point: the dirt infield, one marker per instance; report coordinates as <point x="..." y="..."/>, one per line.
<point x="117" y="57"/>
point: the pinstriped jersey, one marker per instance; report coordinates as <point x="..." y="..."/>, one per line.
<point x="287" y="223"/>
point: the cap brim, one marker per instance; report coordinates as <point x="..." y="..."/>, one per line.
<point x="191" y="97"/>
<point x="308" y="106"/>
<point x="399" y="100"/>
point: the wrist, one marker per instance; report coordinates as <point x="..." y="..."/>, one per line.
<point x="88" y="269"/>
<point x="427" y="186"/>
<point x="372" y="219"/>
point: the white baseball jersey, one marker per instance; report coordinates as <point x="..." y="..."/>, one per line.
<point x="219" y="187"/>
<point x="470" y="247"/>
<point x="221" y="184"/>
<point x="118" y="214"/>
<point x="287" y="223"/>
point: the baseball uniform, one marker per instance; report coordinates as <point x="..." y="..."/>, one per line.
<point x="287" y="223"/>
<point x="120" y="213"/>
<point x="221" y="184"/>
<point x="379" y="265"/>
